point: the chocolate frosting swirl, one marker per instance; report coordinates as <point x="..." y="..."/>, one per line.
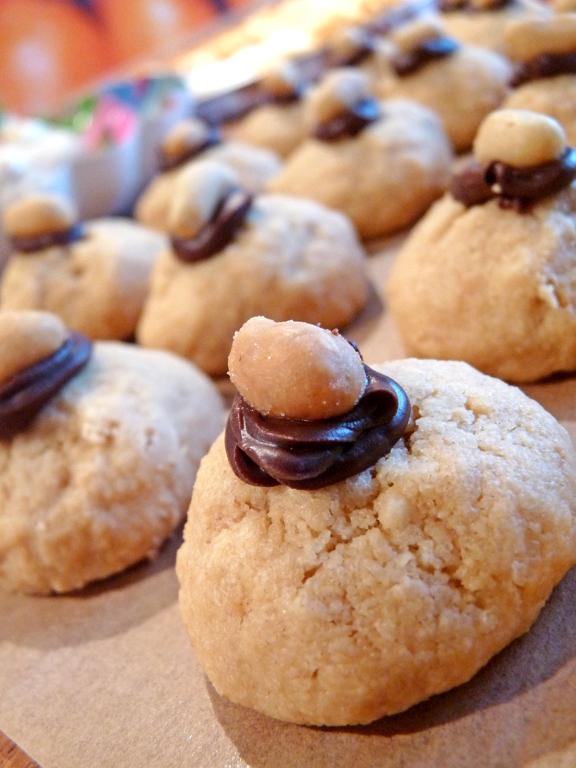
<point x="435" y="48"/>
<point x="350" y="122"/>
<point x="218" y="232"/>
<point x="213" y="138"/>
<point x="544" y="65"/>
<point x="26" y="393"/>
<point x="516" y="188"/>
<point x="450" y="6"/>
<point x="307" y="455"/>
<point x="363" y="51"/>
<point x="239" y="102"/>
<point x="50" y="240"/>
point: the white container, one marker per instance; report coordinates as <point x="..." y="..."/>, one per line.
<point x="156" y="125"/>
<point x="106" y="180"/>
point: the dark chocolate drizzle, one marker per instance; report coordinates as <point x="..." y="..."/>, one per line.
<point x="268" y="451"/>
<point x="289" y="97"/>
<point x="356" y="57"/>
<point x="350" y="122"/>
<point x="544" y="65"/>
<point x="465" y="6"/>
<point x="430" y="50"/>
<point x="26" y="393"/>
<point x="516" y="188"/>
<point x="235" y="104"/>
<point x="166" y="163"/>
<point x="50" y="240"/>
<point x="218" y="232"/>
<point x="362" y="49"/>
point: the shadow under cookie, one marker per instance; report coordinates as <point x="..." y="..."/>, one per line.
<point x="498" y="718"/>
<point x="104" y="609"/>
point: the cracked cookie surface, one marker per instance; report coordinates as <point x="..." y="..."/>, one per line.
<point x="342" y="605"/>
<point x="104" y="473"/>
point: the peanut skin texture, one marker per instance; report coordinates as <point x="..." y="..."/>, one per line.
<point x="339" y="91"/>
<point x="409" y="37"/>
<point x="295" y="370"/>
<point x="519" y="138"/>
<point x="26" y="338"/>
<point x="38" y="215"/>
<point x="185" y="136"/>
<point x="198" y="193"/>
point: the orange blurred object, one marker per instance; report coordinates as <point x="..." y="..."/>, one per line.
<point x="48" y="48"/>
<point x="137" y="27"/>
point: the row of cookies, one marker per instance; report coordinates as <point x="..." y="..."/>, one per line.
<point x="355" y="543"/>
<point x="417" y="61"/>
<point x="232" y="255"/>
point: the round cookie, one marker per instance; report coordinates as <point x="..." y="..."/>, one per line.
<point x="383" y="177"/>
<point x="462" y="86"/>
<point x="286" y="257"/>
<point x="552" y="94"/>
<point x="492" y="282"/>
<point x="340" y="605"/>
<point x="278" y="123"/>
<point x="112" y="454"/>
<point x="475" y="22"/>
<point x="95" y="276"/>
<point x="189" y="141"/>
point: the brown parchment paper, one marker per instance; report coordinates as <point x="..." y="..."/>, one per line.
<point x="106" y="678"/>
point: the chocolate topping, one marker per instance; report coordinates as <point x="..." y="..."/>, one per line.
<point x="516" y="188"/>
<point x="170" y="163"/>
<point x="23" y="395"/>
<point x="239" y="102"/>
<point x="469" y="185"/>
<point x="39" y="242"/>
<point x="218" y="232"/>
<point x="435" y="48"/>
<point x="360" y="54"/>
<point x="231" y="105"/>
<point x="449" y="6"/>
<point x="267" y="451"/>
<point x="350" y="122"/>
<point x="290" y="97"/>
<point x="234" y="104"/>
<point x="545" y="65"/>
<point x="363" y="47"/>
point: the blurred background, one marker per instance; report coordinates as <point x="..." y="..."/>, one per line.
<point x="51" y="49"/>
